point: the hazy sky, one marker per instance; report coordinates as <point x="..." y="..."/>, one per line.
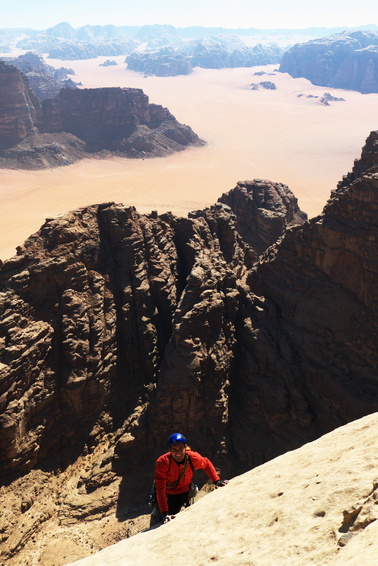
<point x="40" y="14"/>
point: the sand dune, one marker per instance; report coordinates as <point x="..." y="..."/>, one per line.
<point x="296" y="510"/>
<point x="250" y="134"/>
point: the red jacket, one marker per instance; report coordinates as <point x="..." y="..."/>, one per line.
<point x="168" y="471"/>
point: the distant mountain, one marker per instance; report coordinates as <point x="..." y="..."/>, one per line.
<point x="346" y="60"/>
<point x="213" y="53"/>
<point x="45" y="80"/>
<point x="64" y="41"/>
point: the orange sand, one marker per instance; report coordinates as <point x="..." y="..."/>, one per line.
<point x="250" y="134"/>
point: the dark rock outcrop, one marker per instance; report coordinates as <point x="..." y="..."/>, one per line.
<point x="21" y="109"/>
<point x="95" y="304"/>
<point x="117" y="120"/>
<point x="115" y="321"/>
<point x="109" y="63"/>
<point x="263" y="210"/>
<point x="120" y="120"/>
<point x="297" y="356"/>
<point x="346" y="60"/>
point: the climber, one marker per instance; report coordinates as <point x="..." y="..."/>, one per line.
<point x="174" y="475"/>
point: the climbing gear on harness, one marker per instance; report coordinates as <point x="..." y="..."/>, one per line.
<point x="174" y="485"/>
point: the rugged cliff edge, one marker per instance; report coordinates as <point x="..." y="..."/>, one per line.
<point x="251" y="335"/>
<point x="78" y="123"/>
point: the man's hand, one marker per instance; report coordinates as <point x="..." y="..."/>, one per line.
<point x="221" y="483"/>
<point x="168" y="518"/>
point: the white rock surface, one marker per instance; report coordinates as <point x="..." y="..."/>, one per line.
<point x="296" y="510"/>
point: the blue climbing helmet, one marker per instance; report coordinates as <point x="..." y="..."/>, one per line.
<point x="176" y="438"/>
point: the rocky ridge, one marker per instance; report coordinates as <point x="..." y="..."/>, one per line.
<point x="346" y="60"/>
<point x="80" y="122"/>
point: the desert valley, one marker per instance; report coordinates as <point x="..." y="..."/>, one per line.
<point x="273" y="135"/>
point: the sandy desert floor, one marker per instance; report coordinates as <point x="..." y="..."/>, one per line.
<point x="271" y="134"/>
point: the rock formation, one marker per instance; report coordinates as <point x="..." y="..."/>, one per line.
<point x="78" y="123"/>
<point x="215" y="55"/>
<point x="252" y="336"/>
<point x="263" y="210"/>
<point x="118" y="119"/>
<point x="44" y="80"/>
<point x="21" y="108"/>
<point x="346" y="60"/>
<point x="108" y="288"/>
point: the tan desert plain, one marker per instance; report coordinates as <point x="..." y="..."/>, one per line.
<point x="282" y="135"/>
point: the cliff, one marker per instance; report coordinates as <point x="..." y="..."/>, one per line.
<point x="44" y="80"/>
<point x="113" y="296"/>
<point x="346" y="60"/>
<point x="78" y="123"/>
<point x="21" y="108"/>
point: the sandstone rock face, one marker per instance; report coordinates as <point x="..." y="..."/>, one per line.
<point x="320" y="303"/>
<point x="117" y="120"/>
<point x="21" y="108"/>
<point x="346" y="60"/>
<point x="301" y="339"/>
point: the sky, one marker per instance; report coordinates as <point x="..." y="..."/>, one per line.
<point x="41" y="14"/>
